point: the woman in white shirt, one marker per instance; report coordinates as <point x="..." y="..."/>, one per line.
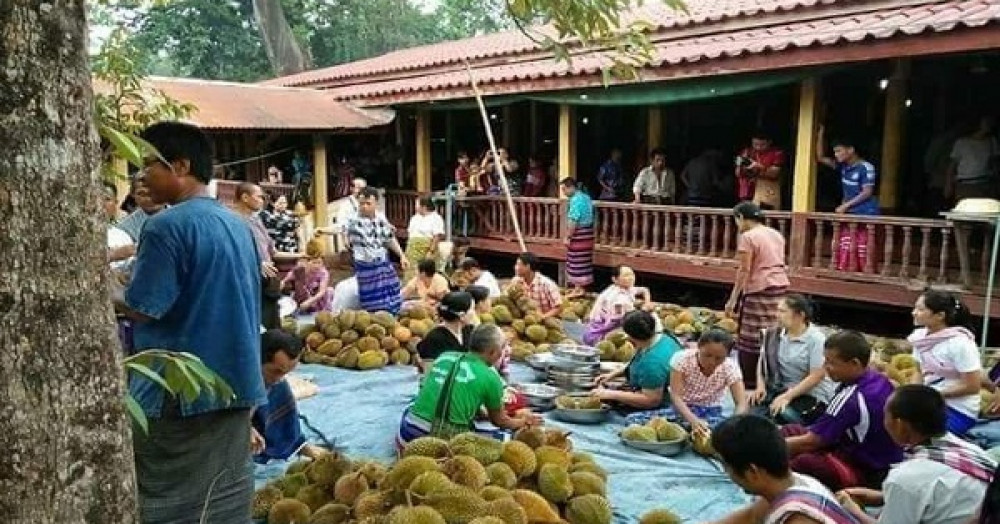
<point x="943" y="479"/>
<point x="948" y="356"/>
<point x="425" y="231"/>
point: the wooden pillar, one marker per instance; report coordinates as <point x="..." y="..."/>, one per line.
<point x="423" y="150"/>
<point x="893" y="131"/>
<point x="654" y="128"/>
<point x="320" y="182"/>
<point x="567" y="142"/>
<point x="804" y="176"/>
<point x="400" y="174"/>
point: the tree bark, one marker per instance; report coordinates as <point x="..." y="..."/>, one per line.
<point x="64" y="437"/>
<point x="287" y="57"/>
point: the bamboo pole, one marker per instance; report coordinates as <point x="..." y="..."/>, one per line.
<point x="496" y="157"/>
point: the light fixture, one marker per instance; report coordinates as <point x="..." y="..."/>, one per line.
<point x="493" y="116"/>
<point x="585" y="120"/>
<point x="883" y="84"/>
<point x="909" y="102"/>
<point x="583" y="97"/>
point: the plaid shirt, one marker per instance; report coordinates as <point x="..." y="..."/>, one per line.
<point x="368" y="237"/>
<point x="542" y="290"/>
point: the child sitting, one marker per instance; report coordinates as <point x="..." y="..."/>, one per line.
<point x="310" y="281"/>
<point x="699" y="379"/>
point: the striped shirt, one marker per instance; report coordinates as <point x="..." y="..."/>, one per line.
<point x="369" y="236"/>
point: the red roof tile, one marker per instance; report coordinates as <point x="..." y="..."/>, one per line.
<point x="873" y="24"/>
<point x="229" y="105"/>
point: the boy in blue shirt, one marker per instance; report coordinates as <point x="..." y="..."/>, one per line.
<point x="195" y="288"/>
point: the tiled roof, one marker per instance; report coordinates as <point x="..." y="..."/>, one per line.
<point x="712" y="29"/>
<point x="230" y="105"/>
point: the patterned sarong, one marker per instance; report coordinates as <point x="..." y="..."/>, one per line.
<point x="278" y="422"/>
<point x="580" y="257"/>
<point x="378" y="286"/>
<point x="712" y="415"/>
<point x="758" y="311"/>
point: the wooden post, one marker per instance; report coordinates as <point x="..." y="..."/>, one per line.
<point x="567" y="143"/>
<point x="320" y="182"/>
<point x="654" y="128"/>
<point x="893" y="134"/>
<point x="423" y="150"/>
<point x="399" y="149"/>
<point x="804" y="176"/>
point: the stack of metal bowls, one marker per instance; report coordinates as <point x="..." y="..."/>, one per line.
<point x="574" y="367"/>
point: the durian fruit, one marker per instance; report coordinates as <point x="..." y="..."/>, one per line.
<point x="484" y="449"/>
<point x="349" y="337"/>
<point x="375" y="331"/>
<point x="728" y="324"/>
<point x="625" y="352"/>
<point x="402" y="334"/>
<point x="371" y="504"/>
<point x="290" y="325"/>
<point x="660" y="516"/>
<point x="346" y="319"/>
<point x="415" y="515"/>
<point x="332" y="331"/>
<point x="366" y="344"/>
<point x="384" y="319"/>
<point x="466" y="471"/>
<point x="288" y="511"/>
<point x="429" y="482"/>
<point x="670" y="432"/>
<point x="589" y="467"/>
<point x="314" y="496"/>
<point x="536" y="333"/>
<point x="291" y="484"/>
<point x="701" y="443"/>
<point x="400" y="357"/>
<point x="389" y="344"/>
<point x="263" y="499"/>
<point x="558" y="439"/>
<point x="362" y="321"/>
<point x="327" y="469"/>
<point x="487" y="520"/>
<point x="606" y="349"/>
<point x="508" y="510"/>
<point x="533" y="436"/>
<point x="418" y="312"/>
<point x="491" y="493"/>
<point x="373" y="471"/>
<point x="371" y="360"/>
<point x="487" y="318"/>
<point x="569" y="316"/>
<point x="617" y="337"/>
<point x="457" y="505"/>
<point x="421" y="328"/>
<point x="314" y="340"/>
<point x="985" y="401"/>
<point x="589" y="509"/>
<point x="535" y="506"/>
<point x="587" y="484"/>
<point x="555" y="336"/>
<point x="566" y="402"/>
<point x="502" y="314"/>
<point x="552" y="455"/>
<point x="305" y="330"/>
<point x="331" y="347"/>
<point x="520" y="457"/>
<point x="349" y="487"/>
<point x="332" y="513"/>
<point x="500" y="474"/>
<point x="637" y="433"/>
<point x="581" y="456"/>
<point x="427" y="447"/>
<point x="903" y="362"/>
<point x="405" y="470"/>
<point x="324" y="318"/>
<point x="310" y="356"/>
<point x="554" y="483"/>
<point x="518" y="326"/>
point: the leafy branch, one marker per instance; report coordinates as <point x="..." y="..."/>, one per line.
<point x="179" y="374"/>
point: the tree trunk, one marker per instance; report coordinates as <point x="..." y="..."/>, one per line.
<point x="64" y="437"/>
<point x="287" y="57"/>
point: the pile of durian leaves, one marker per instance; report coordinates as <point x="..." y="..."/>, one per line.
<point x="536" y="478"/>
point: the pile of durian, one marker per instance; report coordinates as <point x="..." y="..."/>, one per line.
<point x="578" y="402"/>
<point x="470" y="479"/>
<point x="659" y="429"/>
<point x="576" y="309"/>
<point x="362" y="340"/>
<point x="616" y="347"/>
<point x="683" y="321"/>
<point x="519" y="318"/>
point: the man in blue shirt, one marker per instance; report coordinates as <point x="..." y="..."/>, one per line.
<point x="611" y="177"/>
<point x="857" y="179"/>
<point x="195" y="288"/>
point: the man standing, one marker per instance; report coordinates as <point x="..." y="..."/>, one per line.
<point x="656" y="183"/>
<point x="196" y="288"/>
<point x="249" y="203"/>
<point x="480" y="277"/>
<point x="758" y="172"/>
<point x="703" y="179"/>
<point x="611" y="176"/>
<point x="147" y="207"/>
<point x="535" y="285"/>
<point x="579" y="239"/>
<point x="975" y="161"/>
<point x="371" y="237"/>
<point x="347" y="208"/>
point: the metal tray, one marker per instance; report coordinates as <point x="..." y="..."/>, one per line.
<point x="576" y="353"/>
<point x="666" y="449"/>
<point x="539" y="396"/>
<point x="582" y="416"/>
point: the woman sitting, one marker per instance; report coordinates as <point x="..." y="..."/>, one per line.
<point x="943" y="479"/>
<point x="310" y="281"/>
<point x="457" y="387"/>
<point x="451" y="334"/>
<point x="427" y="287"/>
<point x="792" y="385"/>
<point x="424" y="233"/>
<point x="648" y="374"/>
<point x="612" y="304"/>
<point x="948" y="356"/>
<point x="698" y="381"/>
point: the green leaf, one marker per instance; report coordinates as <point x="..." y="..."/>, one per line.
<point x="136" y="413"/>
<point x="150" y="374"/>
<point x="124" y="145"/>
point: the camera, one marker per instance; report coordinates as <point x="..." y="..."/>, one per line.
<point x="742" y="161"/>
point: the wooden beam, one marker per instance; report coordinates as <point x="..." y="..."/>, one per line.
<point x="804" y="175"/>
<point x="424" y="166"/>
<point x="567" y="142"/>
<point x="893" y="134"/>
<point x="654" y="128"/>
<point x="320" y="203"/>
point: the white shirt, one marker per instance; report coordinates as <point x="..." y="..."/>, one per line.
<point x="922" y="491"/>
<point x="488" y="281"/>
<point x="345" y="295"/>
<point x="649" y="184"/>
<point x="972" y="157"/>
<point x="963" y="355"/>
<point x="346" y="209"/>
<point x="116" y="239"/>
<point x="425" y="226"/>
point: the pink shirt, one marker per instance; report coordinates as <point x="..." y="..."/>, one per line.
<point x="767" y="265"/>
<point x="705" y="390"/>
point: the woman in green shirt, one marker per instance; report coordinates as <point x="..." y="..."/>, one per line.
<point x="648" y="374"/>
<point x="457" y="387"/>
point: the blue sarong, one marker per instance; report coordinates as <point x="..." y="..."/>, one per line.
<point x="378" y="286"/>
<point x="712" y="415"/>
<point x="412" y="427"/>
<point x="278" y="422"/>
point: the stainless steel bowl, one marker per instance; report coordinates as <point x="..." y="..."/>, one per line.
<point x="539" y="361"/>
<point x="582" y="416"/>
<point x="666" y="448"/>
<point x="576" y="353"/>
<point x="539" y="396"/>
<point x="559" y="364"/>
